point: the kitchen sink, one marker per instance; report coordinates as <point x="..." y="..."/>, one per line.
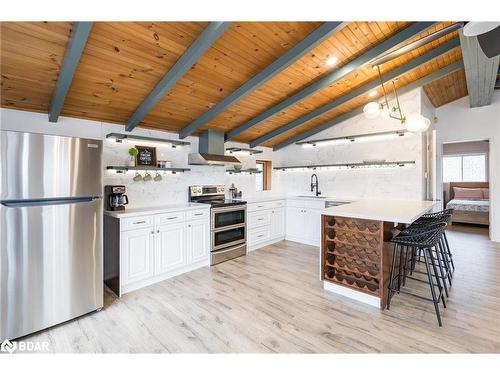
<point x="312" y="196"/>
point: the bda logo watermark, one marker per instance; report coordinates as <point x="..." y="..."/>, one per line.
<point x="24" y="346"/>
<point x="8" y="346"/>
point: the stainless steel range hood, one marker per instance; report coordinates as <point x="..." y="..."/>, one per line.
<point x="211" y="150"/>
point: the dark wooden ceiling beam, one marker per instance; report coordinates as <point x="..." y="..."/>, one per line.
<point x="381" y="48"/>
<point x="76" y="44"/>
<point x="292" y="55"/>
<point x="359" y="110"/>
<point x="480" y="71"/>
<point x="208" y="37"/>
<point x="412" y="64"/>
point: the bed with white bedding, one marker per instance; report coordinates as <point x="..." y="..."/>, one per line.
<point x="470" y="202"/>
<point x="472" y="205"/>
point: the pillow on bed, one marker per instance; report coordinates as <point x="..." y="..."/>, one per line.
<point x="464" y="193"/>
<point x="486" y="193"/>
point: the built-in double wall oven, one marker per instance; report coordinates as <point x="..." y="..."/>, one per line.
<point x="228" y="233"/>
<point x="228" y="226"/>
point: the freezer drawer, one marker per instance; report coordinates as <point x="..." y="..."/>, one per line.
<point x="50" y="264"/>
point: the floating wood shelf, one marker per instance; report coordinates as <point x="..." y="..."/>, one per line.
<point x="353" y="138"/>
<point x="236" y="171"/>
<point x="381" y="164"/>
<point x="251" y="151"/>
<point x="123" y="169"/>
<point x="120" y="137"/>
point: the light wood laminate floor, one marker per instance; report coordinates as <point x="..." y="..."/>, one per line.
<point x="273" y="301"/>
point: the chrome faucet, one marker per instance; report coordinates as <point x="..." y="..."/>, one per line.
<point x="315" y="184"/>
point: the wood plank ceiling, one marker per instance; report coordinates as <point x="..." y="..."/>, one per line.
<point x="123" y="61"/>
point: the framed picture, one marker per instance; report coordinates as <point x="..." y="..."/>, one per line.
<point x="146" y="156"/>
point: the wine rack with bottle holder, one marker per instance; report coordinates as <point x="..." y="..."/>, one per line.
<point x="356" y="254"/>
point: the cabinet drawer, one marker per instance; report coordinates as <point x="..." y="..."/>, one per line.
<point x="260" y="206"/>
<point x="258" y="235"/>
<point x="198" y="214"/>
<point x="259" y="218"/>
<point x="137" y="222"/>
<point x="173" y="217"/>
<point x="277" y="204"/>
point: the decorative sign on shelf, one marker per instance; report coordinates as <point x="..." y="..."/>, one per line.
<point x="146" y="156"/>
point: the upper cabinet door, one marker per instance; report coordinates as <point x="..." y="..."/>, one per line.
<point x="137" y="253"/>
<point x="278" y="222"/>
<point x="170" y="249"/>
<point x="198" y="237"/>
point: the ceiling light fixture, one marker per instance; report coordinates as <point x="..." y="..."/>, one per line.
<point x="372" y="93"/>
<point x="415" y="122"/>
<point x="331" y="61"/>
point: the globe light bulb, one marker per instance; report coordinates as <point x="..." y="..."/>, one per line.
<point x="371" y="110"/>
<point x="417" y="123"/>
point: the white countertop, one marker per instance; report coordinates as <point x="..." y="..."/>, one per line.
<point x="128" y="212"/>
<point x="396" y="211"/>
<point x="259" y="199"/>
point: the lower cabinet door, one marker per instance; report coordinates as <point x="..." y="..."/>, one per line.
<point x="170" y="247"/>
<point x="198" y="240"/>
<point x="278" y="222"/>
<point x="137" y="255"/>
<point x="312" y="227"/>
<point x="294" y="222"/>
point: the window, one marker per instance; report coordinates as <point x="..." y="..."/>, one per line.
<point x="465" y="168"/>
<point x="263" y="179"/>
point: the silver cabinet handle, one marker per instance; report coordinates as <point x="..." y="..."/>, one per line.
<point x="260" y="206"/>
<point x="260" y="219"/>
<point x="152" y="232"/>
<point x="171" y="218"/>
<point x="140" y="222"/>
<point x="157" y="231"/>
<point x="198" y="214"/>
<point x="259" y="236"/>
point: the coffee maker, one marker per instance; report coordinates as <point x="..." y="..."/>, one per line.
<point x="115" y="197"/>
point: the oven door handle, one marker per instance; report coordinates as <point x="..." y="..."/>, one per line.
<point x="242" y="207"/>
<point x="228" y="227"/>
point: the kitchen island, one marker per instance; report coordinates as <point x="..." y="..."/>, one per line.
<point x="356" y="253"/>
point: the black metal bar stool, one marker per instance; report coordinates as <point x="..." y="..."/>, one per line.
<point x="444" y="215"/>
<point x="425" y="239"/>
<point x="439" y="252"/>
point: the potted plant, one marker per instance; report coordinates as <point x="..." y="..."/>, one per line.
<point x="132" y="151"/>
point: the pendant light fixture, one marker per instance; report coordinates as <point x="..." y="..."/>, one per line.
<point x="414" y="122"/>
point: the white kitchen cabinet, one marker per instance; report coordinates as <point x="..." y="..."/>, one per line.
<point x="198" y="240"/>
<point x="303" y="222"/>
<point x="294" y="222"/>
<point x="265" y="224"/>
<point x="137" y="248"/>
<point x="150" y="248"/>
<point x="170" y="247"/>
<point x="278" y="223"/>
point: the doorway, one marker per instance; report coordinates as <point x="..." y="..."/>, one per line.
<point x="465" y="182"/>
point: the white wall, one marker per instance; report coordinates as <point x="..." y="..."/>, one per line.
<point x="172" y="189"/>
<point x="457" y="122"/>
<point x="394" y="183"/>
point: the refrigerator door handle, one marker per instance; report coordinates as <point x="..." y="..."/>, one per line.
<point x="47" y="201"/>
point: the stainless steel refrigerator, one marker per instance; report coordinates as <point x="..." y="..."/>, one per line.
<point x="51" y="231"/>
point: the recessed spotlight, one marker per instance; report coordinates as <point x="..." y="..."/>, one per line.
<point x="372" y="93"/>
<point x="331" y="61"/>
